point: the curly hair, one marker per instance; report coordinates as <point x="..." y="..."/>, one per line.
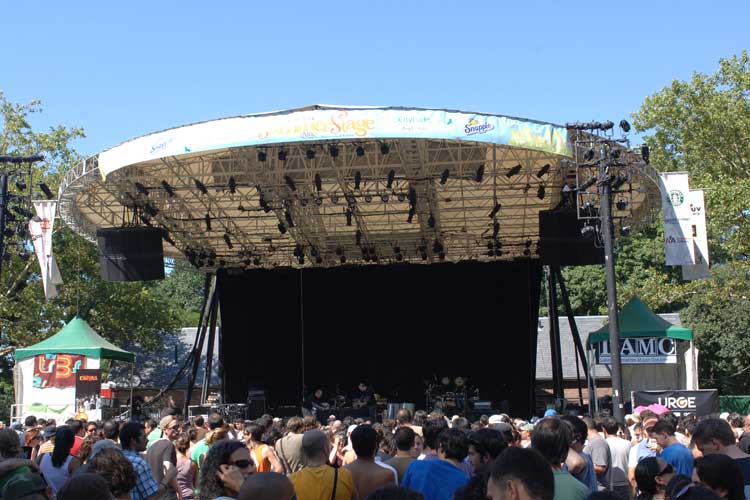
<point x="112" y="465"/>
<point x="86" y="446"/>
<point x="210" y="484"/>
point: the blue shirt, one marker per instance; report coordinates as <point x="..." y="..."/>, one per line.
<point x="588" y="475"/>
<point x="680" y="457"/>
<point x="434" y="479"/>
<point x="145" y="484"/>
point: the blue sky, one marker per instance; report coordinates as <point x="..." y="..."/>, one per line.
<point x="124" y="70"/>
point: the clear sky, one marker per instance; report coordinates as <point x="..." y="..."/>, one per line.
<point x="122" y="69"/>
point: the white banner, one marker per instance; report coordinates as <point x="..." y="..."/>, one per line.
<point x="700" y="237"/>
<point x="641" y="351"/>
<point x="41" y="236"/>
<point x="678" y="233"/>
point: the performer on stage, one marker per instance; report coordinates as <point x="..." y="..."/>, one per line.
<point x="364" y="396"/>
<point x="316" y="402"/>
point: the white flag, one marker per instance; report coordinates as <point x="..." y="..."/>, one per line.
<point x="678" y="233"/>
<point x="41" y="236"/>
<point x="700" y="238"/>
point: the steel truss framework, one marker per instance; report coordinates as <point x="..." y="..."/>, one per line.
<point x="327" y="203"/>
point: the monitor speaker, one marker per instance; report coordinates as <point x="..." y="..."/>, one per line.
<point x="130" y="253"/>
<point x="561" y="242"/>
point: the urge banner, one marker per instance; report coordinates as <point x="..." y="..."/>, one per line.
<point x="680" y="403"/>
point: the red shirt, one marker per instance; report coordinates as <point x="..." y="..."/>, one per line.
<point x="76" y="446"/>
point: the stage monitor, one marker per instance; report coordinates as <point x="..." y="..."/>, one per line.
<point x="130" y="253"/>
<point x="561" y="242"/>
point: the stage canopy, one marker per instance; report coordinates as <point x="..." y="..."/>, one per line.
<point x="322" y="186"/>
<point x="77" y="337"/>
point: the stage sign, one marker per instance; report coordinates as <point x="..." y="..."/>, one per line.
<point x="56" y="370"/>
<point x="640" y="351"/>
<point x="88" y="394"/>
<point x="680" y="403"/>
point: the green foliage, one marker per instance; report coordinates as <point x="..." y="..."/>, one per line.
<point x="183" y="287"/>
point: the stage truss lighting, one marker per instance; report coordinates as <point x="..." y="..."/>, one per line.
<point x="479" y="173"/>
<point x="46" y="190"/>
<point x="201" y="187"/>
<point x="232" y="184"/>
<point x="544" y="170"/>
<point x="540" y="192"/>
<point x="333" y="151"/>
<point x="282" y="155"/>
<point x="360" y="151"/>
<point x="390" y="179"/>
<point x="357" y="179"/>
<point x="495" y="210"/>
<point x="444" y="176"/>
<point x="140" y="188"/>
<point x="207" y="220"/>
<point x="262" y="156"/>
<point x="318" y="182"/>
<point x="384" y="148"/>
<point x="168" y="188"/>
<point x="513" y="171"/>
<point x="290" y="182"/>
<point x="625" y="126"/>
<point x="228" y="241"/>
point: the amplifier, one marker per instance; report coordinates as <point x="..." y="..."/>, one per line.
<point x="482" y="405"/>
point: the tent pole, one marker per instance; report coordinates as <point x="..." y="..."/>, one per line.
<point x="132" y="371"/>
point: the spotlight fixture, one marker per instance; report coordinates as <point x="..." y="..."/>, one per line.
<point x="357" y="179"/>
<point x="318" y="200"/>
<point x="342" y="259"/>
<point x="619" y="181"/>
<point x="358" y="237"/>
<point x="437" y="247"/>
<point x="348" y="214"/>
<point x="351" y="200"/>
<point x="543" y="170"/>
<point x="256" y="261"/>
<point x="384" y="197"/>
<point x="423" y="255"/>
<point x="495" y="210"/>
<point x="241" y="208"/>
<point x="144" y="219"/>
<point x="288" y="216"/>
<point x="397" y="249"/>
<point x="313" y="251"/>
<point x="21" y="185"/>
<point x="526" y="188"/>
<point x="168" y="188"/>
<point x="207" y="219"/>
<point x="621" y="204"/>
<point x="399" y="257"/>
<point x="390" y="179"/>
<point x="368" y="198"/>
<point x="384" y="149"/>
<point x="527" y="252"/>
<point x="589" y="154"/>
<point x="444" y="176"/>
<point x="479" y="174"/>
<point x="282" y="155"/>
<point x="339" y="251"/>
<point x="625" y="231"/>
<point x="441" y="255"/>
<point x="290" y="182"/>
<point x="310" y="154"/>
<point x="431" y="220"/>
<point x="360" y="151"/>
<point x="412" y="212"/>
<point x="412" y="196"/>
<point x="303" y="201"/>
<point x="262" y="156"/>
<point x="334" y="198"/>
<point x="282" y="228"/>
<point x="168" y="238"/>
<point x="318" y="259"/>
<point x="588" y="231"/>
<point x="46" y="190"/>
<point x="201" y="187"/>
<point x="333" y="151"/>
<point x="498" y="252"/>
<point x="646" y="153"/>
<point x="587" y="184"/>
<point x="301" y="260"/>
<point x="263" y="203"/>
<point x="298" y="250"/>
<point x="228" y="241"/>
<point x="625" y="126"/>
<point x="401" y="197"/>
<point x="540" y="192"/>
<point x="495" y="230"/>
<point x="527" y="244"/>
<point x="232" y="184"/>
<point x="140" y="187"/>
<point x="151" y="210"/>
<point x="513" y="171"/>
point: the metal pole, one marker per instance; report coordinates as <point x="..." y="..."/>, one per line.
<point x="554" y="338"/>
<point x="3" y="206"/>
<point x="607" y="230"/>
<point x="132" y="371"/>
<point x="210" y="349"/>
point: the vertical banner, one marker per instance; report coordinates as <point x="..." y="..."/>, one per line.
<point x="678" y="233"/>
<point x="700" y="237"/>
<point x="41" y="235"/>
<point x="88" y="395"/>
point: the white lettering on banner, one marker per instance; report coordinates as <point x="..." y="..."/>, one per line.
<point x="678" y="403"/>
<point x="678" y="233"/>
<point x="700" y="237"/>
<point x="652" y="350"/>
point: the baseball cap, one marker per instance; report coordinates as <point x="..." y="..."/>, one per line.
<point x="16" y="426"/>
<point x="22" y="485"/>
<point x="49" y="431"/>
<point x="101" y="445"/>
<point x="551" y="412"/>
<point x="495" y="419"/>
<point x="527" y="427"/>
<point x="165" y="421"/>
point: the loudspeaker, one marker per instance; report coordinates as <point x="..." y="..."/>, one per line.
<point x="561" y="242"/>
<point x="130" y="253"/>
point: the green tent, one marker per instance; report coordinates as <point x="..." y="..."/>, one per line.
<point x="77" y="337"/>
<point x="637" y="320"/>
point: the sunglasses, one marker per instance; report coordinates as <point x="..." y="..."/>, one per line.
<point x="242" y="464"/>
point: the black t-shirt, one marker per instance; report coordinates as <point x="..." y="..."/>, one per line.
<point x="744" y="443"/>
<point x="162" y="450"/>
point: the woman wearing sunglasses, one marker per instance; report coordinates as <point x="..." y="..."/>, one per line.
<point x="226" y="466"/>
<point x="652" y="475"/>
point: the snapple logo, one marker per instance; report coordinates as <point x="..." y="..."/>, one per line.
<point x="474" y="127"/>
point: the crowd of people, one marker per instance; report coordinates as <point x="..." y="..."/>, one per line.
<point x="421" y="456"/>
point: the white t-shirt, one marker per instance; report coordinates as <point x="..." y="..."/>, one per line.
<point x="620" y="450"/>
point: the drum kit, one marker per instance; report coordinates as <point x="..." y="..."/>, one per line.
<point x="450" y="396"/>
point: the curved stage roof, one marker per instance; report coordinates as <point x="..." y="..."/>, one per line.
<point x="326" y="185"/>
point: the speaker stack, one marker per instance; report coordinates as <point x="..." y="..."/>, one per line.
<point x="130" y="253"/>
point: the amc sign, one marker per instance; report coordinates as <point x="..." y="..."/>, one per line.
<point x="641" y="351"/>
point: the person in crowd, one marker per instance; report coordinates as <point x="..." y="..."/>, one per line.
<point x="586" y="474"/>
<point x="111" y="431"/>
<point x="674" y="453"/>
<point x="485" y="445"/>
<point x="619" y="450"/>
<point x="289" y="448"/>
<point x="57" y="467"/>
<point x="200" y="429"/>
<point x="714" y="435"/>
<point x="720" y="474"/>
<point x="403" y="418"/>
<point x="227" y="465"/>
<point x="598" y="449"/>
<point x="395" y="493"/>
<point x="431" y="429"/>
<point x="238" y="429"/>
<point x="682" y="488"/>
<point x="651" y="477"/>
<point x="200" y="449"/>
<point x="77" y="426"/>
<point x="743" y="443"/>
<point x="162" y="456"/>
<point x="404" y="440"/>
<point x="91" y="429"/>
<point x="551" y="438"/>
<point x="118" y="471"/>
<point x="318" y="480"/>
<point x="86" y="486"/>
<point x="418" y="450"/>
<point x="187" y="471"/>
<point x="368" y="475"/>
<point x="48" y="444"/>
<point x="11" y="463"/>
<point x="133" y="442"/>
<point x="27" y="486"/>
<point x="646" y="447"/>
<point x="151" y="428"/>
<point x="32" y="442"/>
<point x="267" y="486"/>
<point x="263" y="455"/>
<point x="520" y="474"/>
<point x="438" y="479"/>
<point x="29" y="426"/>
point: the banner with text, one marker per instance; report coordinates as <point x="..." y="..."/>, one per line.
<point x="88" y="394"/>
<point x="700" y="237"/>
<point x="678" y="232"/>
<point x="640" y="351"/>
<point x="56" y="370"/>
<point x="680" y="403"/>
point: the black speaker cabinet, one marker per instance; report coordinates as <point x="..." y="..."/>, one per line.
<point x="561" y="242"/>
<point x="130" y="253"/>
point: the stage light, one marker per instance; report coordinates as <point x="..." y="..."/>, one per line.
<point x="256" y="261"/>
<point x="498" y="252"/>
<point x="423" y="255"/>
<point x="412" y="196"/>
<point x="342" y="259"/>
<point x="282" y="228"/>
<point x="339" y="251"/>
<point x="589" y="154"/>
<point x="527" y="252"/>
<point x="228" y="241"/>
<point x="360" y="151"/>
<point x="318" y="200"/>
<point x="625" y="126"/>
<point x="399" y="257"/>
<point x="290" y="182"/>
<point x="301" y="260"/>
<point x="207" y="219"/>
<point x="621" y="204"/>
<point x="390" y="179"/>
<point x="444" y="176"/>
<point x="401" y="197"/>
<point x="490" y="245"/>
<point x="334" y="198"/>
<point x="646" y="153"/>
<point x="318" y="182"/>
<point x="540" y="193"/>
<point x="318" y="259"/>
<point x="357" y="179"/>
<point x="303" y="201"/>
<point x="384" y="149"/>
<point x="527" y="244"/>
<point x="495" y="229"/>
<point x="368" y="198"/>
<point x="588" y="231"/>
<point x="587" y="184"/>
<point x="241" y="208"/>
<point x="298" y="250"/>
<point x="614" y="153"/>
<point x="168" y="238"/>
<point x="384" y="197"/>
<point x="437" y="247"/>
<point x="441" y="255"/>
<point x="151" y="210"/>
<point x="288" y="216"/>
<point x="479" y="174"/>
<point x="412" y="212"/>
<point x="201" y="187"/>
<point x="263" y="203"/>
<point x="168" y="188"/>
<point x="262" y="156"/>
<point x="495" y="210"/>
<point x="145" y="220"/>
<point x="232" y="184"/>
<point x="348" y="214"/>
<point x="543" y="170"/>
<point x="140" y="188"/>
<point x="22" y="211"/>
<point x="351" y="200"/>
<point x="431" y="220"/>
<point x="333" y="151"/>
<point x="358" y="237"/>
<point x="625" y="231"/>
<point x="310" y="153"/>
<point x="21" y="185"/>
<point x="397" y="249"/>
<point x="313" y="251"/>
<point x="513" y="171"/>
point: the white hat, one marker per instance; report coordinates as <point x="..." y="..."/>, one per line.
<point x="496" y="419"/>
<point x="724" y="415"/>
<point x="350" y="429"/>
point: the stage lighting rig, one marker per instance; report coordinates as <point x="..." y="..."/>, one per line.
<point x="479" y="173"/>
<point x="232" y="184"/>
<point x="368" y="198"/>
<point x="431" y="221"/>
<point x="590" y="182"/>
<point x="646" y="154"/>
<point x="290" y="183"/>
<point x="20" y="185"/>
<point x="543" y="171"/>
<point x="310" y="154"/>
<point x="262" y="155"/>
<point x="46" y="190"/>
<point x="333" y="151"/>
<point x="621" y="204"/>
<point x="590" y="126"/>
<point x="384" y="148"/>
<point x="589" y="154"/>
<point x="444" y="176"/>
<point x="288" y="216"/>
<point x="201" y="187"/>
<point x="228" y="241"/>
<point x="541" y="192"/>
<point x="412" y="196"/>
<point x="360" y="151"/>
<point x="401" y="197"/>
<point x="282" y="228"/>
<point x="625" y="126"/>
<point x="348" y="214"/>
<point x="207" y="220"/>
<point x="357" y="179"/>
<point x="390" y="179"/>
<point x="168" y="188"/>
<point x="318" y="182"/>
<point x="412" y="213"/>
<point x="513" y="171"/>
<point x="282" y="155"/>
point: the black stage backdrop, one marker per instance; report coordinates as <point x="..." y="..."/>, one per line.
<point x="394" y="326"/>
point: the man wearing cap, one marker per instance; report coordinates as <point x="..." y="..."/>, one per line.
<point x="162" y="456"/>
<point x="49" y="442"/>
<point x="28" y="486"/>
<point x="645" y="448"/>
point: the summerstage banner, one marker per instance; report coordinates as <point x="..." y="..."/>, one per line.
<point x="678" y="233"/>
<point x="700" y="238"/>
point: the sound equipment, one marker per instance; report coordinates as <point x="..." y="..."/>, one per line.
<point x="130" y="253"/>
<point x="561" y="242"/>
<point x="256" y="402"/>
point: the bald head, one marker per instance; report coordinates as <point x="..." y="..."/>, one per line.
<point x="314" y="443"/>
<point x="267" y="486"/>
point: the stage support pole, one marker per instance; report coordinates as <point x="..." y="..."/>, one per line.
<point x="554" y="338"/>
<point x="580" y="352"/>
<point x="210" y="349"/>
<point x="607" y="230"/>
<point x="132" y="372"/>
<point x="3" y="206"/>
<point x="209" y="289"/>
